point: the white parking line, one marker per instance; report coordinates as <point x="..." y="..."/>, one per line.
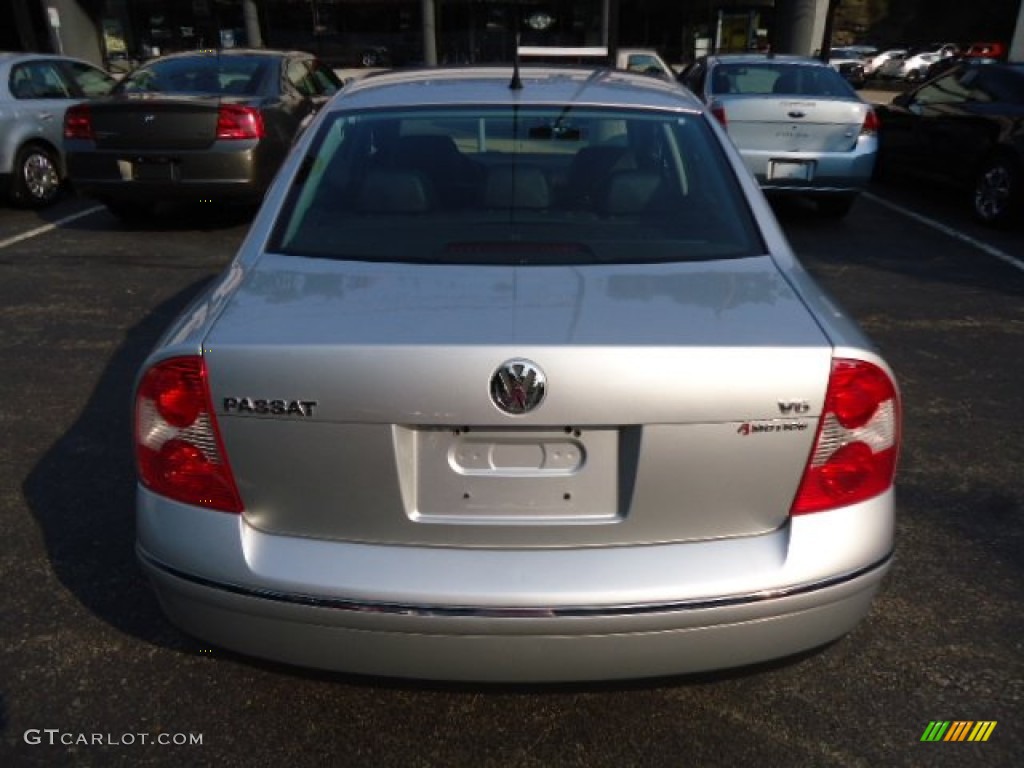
<point x="991" y="250"/>
<point x="50" y="227"/>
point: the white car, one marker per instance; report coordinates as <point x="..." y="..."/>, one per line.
<point x="873" y="64"/>
<point x="913" y="64"/>
<point x="35" y="91"/>
<point x="914" y="67"/>
<point x="800" y="127"/>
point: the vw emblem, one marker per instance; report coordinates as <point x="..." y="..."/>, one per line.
<point x="518" y="386"/>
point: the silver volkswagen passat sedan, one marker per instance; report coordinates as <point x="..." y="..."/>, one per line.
<point x="515" y="378"/>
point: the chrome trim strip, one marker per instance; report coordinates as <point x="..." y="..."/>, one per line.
<point x="397" y="609"/>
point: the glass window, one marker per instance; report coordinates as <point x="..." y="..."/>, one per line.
<point x="998" y="85"/>
<point x="38" y="80"/>
<point x="537" y="185"/>
<point x="327" y="82"/>
<point x="90" y="80"/>
<point x="300" y="78"/>
<point x="643" y="63"/>
<point x="952" y="88"/>
<point x="244" y="75"/>
<point x="780" y="79"/>
<point x="311" y="78"/>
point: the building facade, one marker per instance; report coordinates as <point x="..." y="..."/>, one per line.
<point x="120" y="33"/>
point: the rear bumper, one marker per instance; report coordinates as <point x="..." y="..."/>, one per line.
<point x="842" y="173"/>
<point x="506" y="615"/>
<point x="226" y="172"/>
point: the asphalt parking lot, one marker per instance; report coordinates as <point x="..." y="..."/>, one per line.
<point x="92" y="674"/>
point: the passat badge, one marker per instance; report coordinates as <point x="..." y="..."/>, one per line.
<point x="518" y="386"/>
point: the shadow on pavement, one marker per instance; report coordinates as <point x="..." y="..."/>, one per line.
<point x="81" y="493"/>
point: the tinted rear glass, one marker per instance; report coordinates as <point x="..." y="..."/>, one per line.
<point x="206" y="74"/>
<point x="534" y="185"/>
<point x="780" y="79"/>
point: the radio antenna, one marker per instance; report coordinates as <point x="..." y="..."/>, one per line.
<point x="516" y="84"/>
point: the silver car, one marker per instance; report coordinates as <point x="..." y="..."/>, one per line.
<point x="800" y="127"/>
<point x="515" y="378"/>
<point x="35" y="91"/>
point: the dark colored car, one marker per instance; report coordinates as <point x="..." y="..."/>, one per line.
<point x="853" y="73"/>
<point x="939" y="66"/>
<point x="849" y="63"/>
<point x="965" y="127"/>
<point x="198" y="126"/>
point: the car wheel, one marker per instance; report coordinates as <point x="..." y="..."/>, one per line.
<point x="129" y="210"/>
<point x="835" y="207"/>
<point x="36" y="179"/>
<point x="997" y="191"/>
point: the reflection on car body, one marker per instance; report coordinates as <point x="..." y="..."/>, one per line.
<point x="575" y="410"/>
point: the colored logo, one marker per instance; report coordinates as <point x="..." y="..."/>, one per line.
<point x="958" y="730"/>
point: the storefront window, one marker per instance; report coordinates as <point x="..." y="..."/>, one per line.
<point x="351" y="33"/>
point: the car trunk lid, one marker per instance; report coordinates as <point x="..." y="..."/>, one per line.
<point x="793" y="123"/>
<point x="355" y="401"/>
<point x="149" y="122"/>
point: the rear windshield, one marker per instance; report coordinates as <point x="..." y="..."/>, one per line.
<point x="530" y="185"/>
<point x="781" y="79"/>
<point x="242" y="75"/>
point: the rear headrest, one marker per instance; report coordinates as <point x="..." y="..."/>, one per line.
<point x="631" y="192"/>
<point x="388" y="191"/>
<point x="788" y="82"/>
<point x="517" y="186"/>
<point x="425" y="151"/>
<point x="721" y="82"/>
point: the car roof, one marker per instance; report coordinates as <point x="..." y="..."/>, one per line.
<point x="472" y="86"/>
<point x="764" y="58"/>
<point x="232" y="52"/>
<point x="7" y="57"/>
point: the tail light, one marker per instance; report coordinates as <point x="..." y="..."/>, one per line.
<point x="178" y="449"/>
<point x="855" y="450"/>
<point x="718" y="111"/>
<point x="78" y="123"/>
<point x="870" y="125"/>
<point x="238" y="122"/>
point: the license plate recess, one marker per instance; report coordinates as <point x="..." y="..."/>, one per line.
<point x="516" y="476"/>
<point x="790" y="170"/>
